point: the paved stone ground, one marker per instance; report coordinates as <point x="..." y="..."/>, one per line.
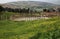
<point x="29" y="18"/>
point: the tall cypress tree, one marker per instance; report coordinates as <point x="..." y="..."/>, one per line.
<point x="1" y="9"/>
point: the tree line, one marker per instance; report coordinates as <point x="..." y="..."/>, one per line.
<point x="19" y="10"/>
<point x="51" y="10"/>
<point x="26" y="10"/>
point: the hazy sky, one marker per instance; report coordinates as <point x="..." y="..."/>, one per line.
<point x="51" y="1"/>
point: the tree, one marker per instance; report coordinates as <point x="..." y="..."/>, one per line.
<point x="1" y="9"/>
<point x="58" y="9"/>
<point x="44" y="10"/>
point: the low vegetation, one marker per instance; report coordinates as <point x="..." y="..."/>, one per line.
<point x="37" y="29"/>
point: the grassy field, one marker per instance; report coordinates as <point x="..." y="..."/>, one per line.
<point x="37" y="29"/>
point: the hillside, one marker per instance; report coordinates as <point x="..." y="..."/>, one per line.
<point x="28" y="4"/>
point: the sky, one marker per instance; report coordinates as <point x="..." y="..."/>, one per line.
<point x="50" y="1"/>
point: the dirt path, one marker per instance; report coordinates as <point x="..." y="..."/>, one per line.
<point x="29" y="18"/>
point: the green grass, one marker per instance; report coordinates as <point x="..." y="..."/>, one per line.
<point x="37" y="29"/>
